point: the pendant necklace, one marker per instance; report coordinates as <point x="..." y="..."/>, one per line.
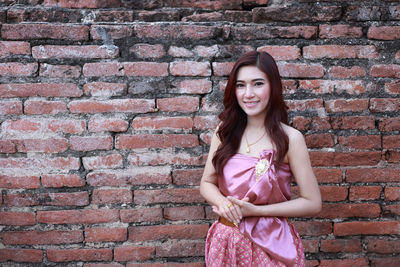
<point x="249" y="145"/>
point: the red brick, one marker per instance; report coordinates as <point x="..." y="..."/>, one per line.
<point x="385" y="71"/>
<point x="220" y="4"/>
<point x="373" y="175"/>
<point x="360" y="262"/>
<point x="81" y="4"/>
<point x="206" y="137"/>
<point x="17" y="218"/>
<point x="333" y="193"/>
<point x="384" y="104"/>
<point x="384" y="32"/>
<point x="104" y="89"/>
<point x="7" y="146"/>
<point x="222" y="68"/>
<point x="301" y="70"/>
<point x="105" y="234"/>
<point x="20" y="255"/>
<point x="341" y="245"/>
<point x="392" y="88"/>
<point x="50" y="145"/>
<point x="319" y="140"/>
<point x="114" y="31"/>
<point x="209" y="16"/>
<point x="288" y="52"/>
<point x="141" y="215"/>
<point x="147" y="50"/>
<point x="156" y="141"/>
<point x="346" y="105"/>
<point x="257" y="32"/>
<point x="301" y="123"/>
<point x="339" y="51"/>
<point x="207" y="51"/>
<point x="386" y="261"/>
<point x="302" y="105"/>
<point x="83" y="216"/>
<point x="16" y="69"/>
<point x="343" y="210"/>
<point x="47" y="199"/>
<point x="328" y="175"/>
<point x="133" y="253"/>
<point x="330" y="86"/>
<point x="358" y="193"/>
<point x="344" y="159"/>
<point x="180" y="248"/>
<point x="40" y="89"/>
<point x="205" y="122"/>
<point x="111" y="196"/>
<point x="19" y="182"/>
<point x="62" y="180"/>
<point x="389" y="124"/>
<point x="42" y="237"/>
<point x="391" y="141"/>
<point x="353" y="122"/>
<point x="90" y="143"/>
<point x="363" y="142"/>
<point x="392" y="156"/>
<point x="173" y="195"/>
<point x="367" y="228"/>
<point x="102" y="162"/>
<point x="113" y="105"/>
<point x="383" y="246"/>
<point x="162" y="122"/>
<point x="11" y="48"/>
<point x="142" y="176"/>
<point x="289" y="87"/>
<point x="73" y="51"/>
<point x="67" y="255"/>
<point x="59" y="71"/>
<point x="346" y="72"/>
<point x="187" y="176"/>
<point x="176" y="51"/>
<point x="146" y="69"/>
<point x="190" y="68"/>
<point x="392" y="209"/>
<point x="184" y="213"/>
<point x="310" y="245"/>
<point x="33" y="107"/>
<point x="167" y="157"/>
<point x="105" y="124"/>
<point x="57" y="163"/>
<point x="392" y="193"/>
<point x="191" y="86"/>
<point x="327" y="31"/>
<point x="160" y="232"/>
<point x="31" y="31"/>
<point x="10" y="107"/>
<point x="175" y="31"/>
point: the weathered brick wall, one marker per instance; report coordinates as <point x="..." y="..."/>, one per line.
<point x="107" y="108"/>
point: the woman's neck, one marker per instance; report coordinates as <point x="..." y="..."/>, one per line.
<point x="255" y="123"/>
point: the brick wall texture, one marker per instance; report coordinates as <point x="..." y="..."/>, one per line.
<point x="108" y="106"/>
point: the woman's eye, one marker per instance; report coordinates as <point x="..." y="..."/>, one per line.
<point x="239" y="85"/>
<point x="259" y="83"/>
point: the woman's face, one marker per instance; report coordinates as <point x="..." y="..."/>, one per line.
<point x="253" y="91"/>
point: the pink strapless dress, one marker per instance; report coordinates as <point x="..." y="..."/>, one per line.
<point x="258" y="241"/>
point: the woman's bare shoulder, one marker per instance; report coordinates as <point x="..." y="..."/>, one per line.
<point x="293" y="134"/>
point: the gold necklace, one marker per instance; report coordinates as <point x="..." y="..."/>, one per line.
<point x="249" y="145"/>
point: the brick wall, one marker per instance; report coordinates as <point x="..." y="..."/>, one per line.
<point x="107" y="109"/>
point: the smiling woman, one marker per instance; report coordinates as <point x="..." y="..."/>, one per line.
<point x="253" y="155"/>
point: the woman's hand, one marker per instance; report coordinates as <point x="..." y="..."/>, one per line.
<point x="229" y="210"/>
<point x="246" y="208"/>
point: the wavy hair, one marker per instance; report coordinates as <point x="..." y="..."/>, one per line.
<point x="234" y="119"/>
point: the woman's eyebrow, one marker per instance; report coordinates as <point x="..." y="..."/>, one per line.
<point x="254" y="80"/>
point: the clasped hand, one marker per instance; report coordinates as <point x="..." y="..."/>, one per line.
<point x="234" y="209"/>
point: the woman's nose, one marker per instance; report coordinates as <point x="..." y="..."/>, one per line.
<point x="249" y="91"/>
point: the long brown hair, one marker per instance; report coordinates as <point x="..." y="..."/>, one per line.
<point x="234" y="119"/>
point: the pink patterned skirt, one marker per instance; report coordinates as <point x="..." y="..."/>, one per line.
<point x="226" y="246"/>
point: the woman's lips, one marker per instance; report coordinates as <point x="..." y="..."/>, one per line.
<point x="250" y="104"/>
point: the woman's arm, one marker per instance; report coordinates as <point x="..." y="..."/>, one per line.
<point x="210" y="191"/>
<point x="309" y="201"/>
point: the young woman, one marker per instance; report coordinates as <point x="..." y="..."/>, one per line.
<point x="253" y="155"/>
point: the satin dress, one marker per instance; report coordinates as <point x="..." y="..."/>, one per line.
<point x="258" y="241"/>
